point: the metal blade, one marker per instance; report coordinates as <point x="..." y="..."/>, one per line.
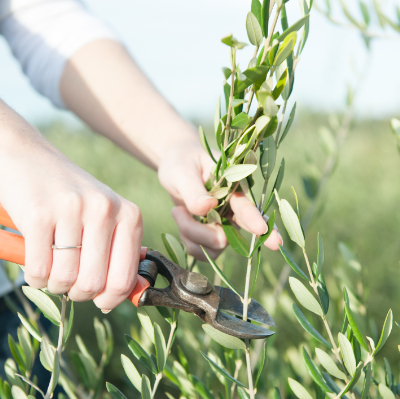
<point x="230" y="302"/>
<point x="239" y="328"/>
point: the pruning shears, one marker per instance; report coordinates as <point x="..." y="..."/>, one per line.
<point x="192" y="292"/>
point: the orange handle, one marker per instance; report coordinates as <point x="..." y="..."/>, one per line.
<point x="12" y="249"/>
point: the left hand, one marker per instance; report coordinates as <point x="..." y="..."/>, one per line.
<point x="183" y="172"/>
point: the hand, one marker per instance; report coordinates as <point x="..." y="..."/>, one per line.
<point x="51" y="200"/>
<point x="183" y="172"/>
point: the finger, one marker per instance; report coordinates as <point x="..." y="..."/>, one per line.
<point x="95" y="253"/>
<point x="124" y="262"/>
<point x="191" y="188"/>
<point x="196" y="251"/>
<point x="64" y="270"/>
<point x="247" y="215"/>
<point x="208" y="235"/>
<point x="39" y="237"/>
<point x="275" y="239"/>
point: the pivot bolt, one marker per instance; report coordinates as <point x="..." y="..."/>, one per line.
<point x="196" y="283"/>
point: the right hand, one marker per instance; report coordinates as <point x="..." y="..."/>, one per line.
<point x="53" y="201"/>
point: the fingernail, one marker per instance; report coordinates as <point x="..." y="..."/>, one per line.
<point x="205" y="198"/>
<point x="105" y="311"/>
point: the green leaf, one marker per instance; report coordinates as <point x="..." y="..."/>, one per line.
<point x="386" y="392"/>
<point x="292" y="263"/>
<point x="386" y="330"/>
<point x="32" y="330"/>
<point x="204" y="143"/>
<point x="242" y="393"/>
<point x="164" y="312"/>
<point x="256" y="10"/>
<point x="277" y="186"/>
<point x="304" y="296"/>
<point x="131" y="372"/>
<point x="100" y="332"/>
<point x="261" y="123"/>
<point x="294" y="28"/>
<point x="265" y="17"/>
<point x="256" y="273"/>
<point x="175" y="250"/>
<point x="355" y="327"/>
<point x="262" y="363"/>
<point x="227" y="73"/>
<point x="268" y="157"/>
<point x="314" y="372"/>
<point x="17" y="353"/>
<point x="26" y="345"/>
<point x="217" y="114"/>
<point x="56" y="372"/>
<point x="265" y="236"/>
<point x="201" y="389"/>
<point x="367" y="381"/>
<point x="220" y="273"/>
<point x="70" y="323"/>
<point x="146" y="323"/>
<point x="237" y="101"/>
<point x="114" y="391"/>
<point x="347" y="354"/>
<point x="18" y="393"/>
<point x="235" y="239"/>
<point x="213" y="217"/>
<point x="241" y="121"/>
<point x="280" y="85"/>
<point x="221" y="370"/>
<point x="140" y="354"/>
<point x="322" y="290"/>
<point x="44" y="303"/>
<point x="253" y="75"/>
<point x="254" y="31"/>
<point x="320" y="255"/>
<point x="285" y="49"/>
<point x="47" y="354"/>
<point x="289" y="123"/>
<point x="228" y="341"/>
<point x="161" y="347"/>
<point x="291" y="222"/>
<point x="298" y="389"/>
<point x="329" y="364"/>
<point x="308" y="327"/>
<point x="355" y="378"/>
<point x="238" y="172"/>
<point x="270" y="108"/>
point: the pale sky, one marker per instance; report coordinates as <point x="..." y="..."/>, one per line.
<point x="177" y="43"/>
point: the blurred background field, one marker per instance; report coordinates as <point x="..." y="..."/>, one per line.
<point x="361" y="208"/>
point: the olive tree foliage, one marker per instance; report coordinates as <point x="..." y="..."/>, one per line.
<point x="336" y="356"/>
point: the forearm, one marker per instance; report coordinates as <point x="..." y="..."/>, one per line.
<point x="106" y="89"/>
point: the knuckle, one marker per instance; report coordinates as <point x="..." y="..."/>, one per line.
<point x="73" y="202"/>
<point x="66" y="279"/>
<point x="36" y="274"/>
<point x="121" y="288"/>
<point x="102" y="205"/>
<point x="133" y="213"/>
<point x="91" y="287"/>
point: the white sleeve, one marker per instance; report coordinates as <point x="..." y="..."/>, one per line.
<point x="44" y="34"/>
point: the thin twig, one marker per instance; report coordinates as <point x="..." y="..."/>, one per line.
<point x="238" y="365"/>
<point x="228" y="118"/>
<point x="30" y="383"/>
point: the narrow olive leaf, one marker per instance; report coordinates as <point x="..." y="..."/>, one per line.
<point x="291" y="222"/>
<point x="314" y="372"/>
<point x="213" y="217"/>
<point x="265" y="236"/>
<point x="254" y="31"/>
<point x="280" y="84"/>
<point x="220" y="273"/>
<point x="114" y="391"/>
<point x="70" y="323"/>
<point x="16" y="353"/>
<point x="320" y="255"/>
<point x="265" y="11"/>
<point x="355" y="327"/>
<point x="289" y="123"/>
<point x="140" y="354"/>
<point x="221" y="370"/>
<point x="235" y="239"/>
<point x="256" y="273"/>
<point x="146" y="323"/>
<point x="56" y="372"/>
<point x="256" y="10"/>
<point x="204" y="143"/>
<point x="164" y="312"/>
<point x="238" y="172"/>
<point x="47" y="353"/>
<point x="367" y="381"/>
<point x="354" y="379"/>
<point x="329" y="365"/>
<point x="347" y="354"/>
<point x="237" y="101"/>
<point x="305" y="297"/>
<point x="293" y="28"/>
<point x="18" y="393"/>
<point x="32" y="330"/>
<point x="217" y="114"/>
<point x="227" y="73"/>
<point x="26" y="345"/>
<point x="240" y="121"/>
<point x="161" y="347"/>
<point x="268" y="158"/>
<point x="242" y="393"/>
<point x="298" y="389"/>
<point x="328" y="379"/>
<point x="44" y="303"/>
<point x="262" y="363"/>
<point x="261" y="124"/>
<point x="285" y="49"/>
<point x="308" y="327"/>
<point x="322" y="290"/>
<point x="277" y="186"/>
<point x="386" y="392"/>
<point x="386" y="330"/>
<point x="131" y="372"/>
<point x="292" y="263"/>
<point x="174" y="249"/>
<point x="220" y="192"/>
<point x="101" y="337"/>
<point x="228" y="341"/>
<point x="201" y="389"/>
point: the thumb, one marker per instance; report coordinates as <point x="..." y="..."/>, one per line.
<point x="191" y="188"/>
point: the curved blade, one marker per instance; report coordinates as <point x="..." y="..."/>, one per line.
<point x="231" y="303"/>
<point x="238" y="328"/>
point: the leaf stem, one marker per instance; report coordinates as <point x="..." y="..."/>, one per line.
<point x="249" y="371"/>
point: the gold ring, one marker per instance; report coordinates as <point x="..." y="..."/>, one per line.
<point x="61" y="247"/>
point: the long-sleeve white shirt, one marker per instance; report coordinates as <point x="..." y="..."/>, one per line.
<point x="43" y="35"/>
